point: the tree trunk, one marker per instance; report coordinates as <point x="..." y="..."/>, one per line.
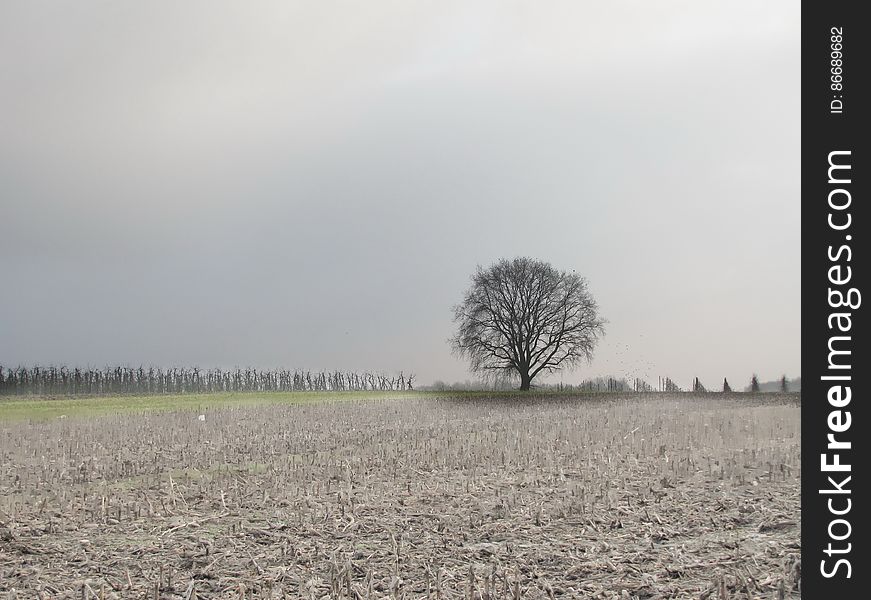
<point x="525" y="381"/>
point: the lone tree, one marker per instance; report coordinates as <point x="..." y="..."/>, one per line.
<point x="522" y="317"/>
<point x="754" y="383"/>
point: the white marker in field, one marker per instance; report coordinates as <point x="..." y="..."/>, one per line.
<point x="202" y="417"/>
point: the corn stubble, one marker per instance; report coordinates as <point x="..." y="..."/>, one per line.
<point x="640" y="497"/>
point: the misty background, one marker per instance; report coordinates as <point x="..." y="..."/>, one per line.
<point x="311" y="184"/>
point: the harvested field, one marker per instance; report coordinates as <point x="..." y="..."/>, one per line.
<point x="423" y="497"/>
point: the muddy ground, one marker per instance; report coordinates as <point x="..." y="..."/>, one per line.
<point x="654" y="497"/>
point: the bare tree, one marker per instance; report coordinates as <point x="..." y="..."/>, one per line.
<point x="522" y="317"/>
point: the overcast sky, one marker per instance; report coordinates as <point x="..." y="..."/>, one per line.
<point x="311" y="184"/>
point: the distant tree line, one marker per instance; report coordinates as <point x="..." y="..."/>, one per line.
<point x="64" y="381"/>
<point x="614" y="384"/>
<point x="599" y="384"/>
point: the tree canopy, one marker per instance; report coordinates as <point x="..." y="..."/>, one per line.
<point x="522" y="317"/>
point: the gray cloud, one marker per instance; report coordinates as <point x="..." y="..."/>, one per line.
<point x="311" y="184"/>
